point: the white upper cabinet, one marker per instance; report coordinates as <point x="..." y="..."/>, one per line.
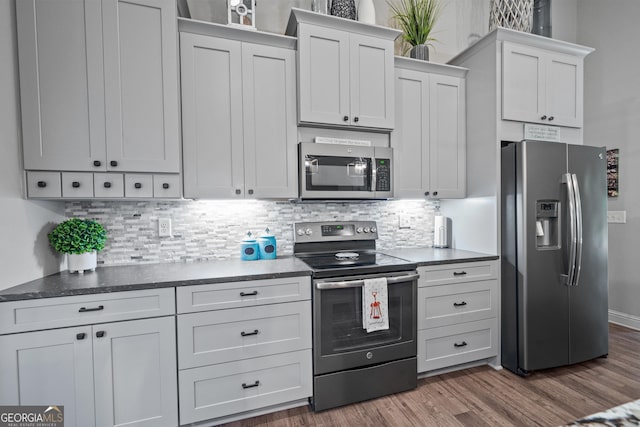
<point x="345" y="71"/>
<point x="99" y="86"/>
<point x="238" y="108"/>
<point x="541" y="86"/>
<point x="430" y="137"/>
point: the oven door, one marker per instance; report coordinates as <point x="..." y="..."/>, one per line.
<point x="339" y="340"/>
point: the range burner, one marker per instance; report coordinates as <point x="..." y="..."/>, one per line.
<point x="341" y="256"/>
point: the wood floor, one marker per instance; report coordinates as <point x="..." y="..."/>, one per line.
<point x="484" y="397"/>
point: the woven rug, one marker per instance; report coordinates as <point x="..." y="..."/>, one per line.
<point x="627" y="415"/>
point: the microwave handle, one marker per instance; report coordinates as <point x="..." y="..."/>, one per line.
<point x="360" y="283"/>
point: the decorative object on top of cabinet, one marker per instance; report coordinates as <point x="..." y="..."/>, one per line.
<point x="345" y="71"/>
<point x="320" y="6"/>
<point x="367" y="12"/>
<point x="242" y="13"/>
<point x="344" y="9"/>
<point x="416" y="19"/>
<point x="118" y="84"/>
<point x="514" y="14"/>
<point x="80" y="239"/>
<point x="429" y="140"/>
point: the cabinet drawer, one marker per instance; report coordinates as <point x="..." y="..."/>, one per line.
<point x="166" y="186"/>
<point x="242" y="294"/>
<point x="230" y="388"/>
<point x="44" y="184"/>
<point x="456" y="344"/>
<point x="48" y="313"/>
<point x="457" y="303"/>
<point x="457" y="272"/>
<point x="108" y="184"/>
<point x="138" y="185"/>
<point x="77" y="184"/>
<point x="242" y="333"/>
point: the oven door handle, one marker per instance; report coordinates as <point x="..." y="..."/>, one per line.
<point x="360" y="283"/>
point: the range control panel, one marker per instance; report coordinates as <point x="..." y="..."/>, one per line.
<point x="332" y="231"/>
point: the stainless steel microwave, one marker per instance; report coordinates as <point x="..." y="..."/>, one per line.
<point x="336" y="171"/>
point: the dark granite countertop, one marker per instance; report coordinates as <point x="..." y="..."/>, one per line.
<point x="435" y="256"/>
<point x="147" y="276"/>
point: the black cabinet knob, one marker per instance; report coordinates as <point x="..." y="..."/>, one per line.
<point x="435" y="193"/>
<point x="107" y="185"/>
<point x="345" y="118"/>
<point x="250" y="191"/>
<point x="550" y="118"/>
<point x="137" y="185"/>
<point x="113" y="163"/>
<point x="238" y="191"/>
<point x="426" y="193"/>
<point x="356" y="119"/>
<point x="42" y="184"/>
<point x="81" y="336"/>
<point x="165" y="185"/>
<point x="100" y="334"/>
<point x="75" y="184"/>
<point x="97" y="163"/>
<point x="543" y="118"/>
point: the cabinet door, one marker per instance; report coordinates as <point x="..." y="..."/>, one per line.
<point x="212" y="117"/>
<point x="52" y="367"/>
<point x="270" y="130"/>
<point x="564" y="91"/>
<point x="61" y="85"/>
<point x="447" y="134"/>
<point x="323" y="61"/>
<point x="371" y="83"/>
<point x="135" y="373"/>
<point x="522" y="83"/>
<point x="141" y="85"/>
<point x="410" y="138"/>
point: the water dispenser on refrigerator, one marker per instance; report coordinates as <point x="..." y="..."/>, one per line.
<point x="547" y="224"/>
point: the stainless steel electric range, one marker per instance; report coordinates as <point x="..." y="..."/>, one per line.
<point x="350" y="364"/>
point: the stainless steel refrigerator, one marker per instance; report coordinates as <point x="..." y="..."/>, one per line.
<point x="554" y="255"/>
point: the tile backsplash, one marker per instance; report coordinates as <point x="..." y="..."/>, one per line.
<point x="209" y="230"/>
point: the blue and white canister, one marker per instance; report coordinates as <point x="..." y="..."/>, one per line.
<point x="249" y="248"/>
<point x="267" y="243"/>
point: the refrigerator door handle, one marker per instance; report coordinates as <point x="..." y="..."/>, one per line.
<point x="569" y="277"/>
<point x="576" y="193"/>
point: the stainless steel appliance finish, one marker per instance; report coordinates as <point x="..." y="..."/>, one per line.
<point x="554" y="255"/>
<point x="351" y="365"/>
<point x="335" y="171"/>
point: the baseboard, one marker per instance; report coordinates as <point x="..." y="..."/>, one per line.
<point x="624" y="319"/>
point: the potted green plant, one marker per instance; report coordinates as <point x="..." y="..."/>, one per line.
<point x="416" y="19"/>
<point x="80" y="239"/>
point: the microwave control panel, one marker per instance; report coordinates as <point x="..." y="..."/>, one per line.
<point x="383" y="175"/>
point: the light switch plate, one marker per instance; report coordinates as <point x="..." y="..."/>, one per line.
<point x="617" y="217"/>
<point x="404" y="221"/>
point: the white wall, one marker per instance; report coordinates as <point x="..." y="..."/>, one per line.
<point x="564" y="15"/>
<point x="612" y="118"/>
<point x="24" y="250"/>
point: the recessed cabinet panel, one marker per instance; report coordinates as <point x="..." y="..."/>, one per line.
<point x="564" y="90"/>
<point x="522" y="84"/>
<point x="107" y="185"/>
<point x="44" y="184"/>
<point x="61" y="87"/>
<point x="138" y="185"/>
<point x="77" y="185"/>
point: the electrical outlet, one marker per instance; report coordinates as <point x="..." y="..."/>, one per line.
<point x="404" y="221"/>
<point x="617" y="217"/>
<point x="164" y="227"/>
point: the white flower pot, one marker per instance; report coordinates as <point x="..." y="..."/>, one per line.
<point x="81" y="262"/>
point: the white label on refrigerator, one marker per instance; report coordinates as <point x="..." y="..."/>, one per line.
<point x="541" y="133"/>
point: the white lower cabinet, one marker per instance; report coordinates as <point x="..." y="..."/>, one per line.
<point x="253" y="356"/>
<point x="105" y="374"/>
<point x="457" y="314"/>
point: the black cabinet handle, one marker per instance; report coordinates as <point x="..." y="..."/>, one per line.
<point x="42" y="184"/>
<point x="462" y="344"/>
<point x="356" y="119"/>
<point x="248" y="294"/>
<point x="165" y="185"/>
<point x="543" y="118"/>
<point x="459" y="273"/>
<point x="435" y="193"/>
<point x="85" y="309"/>
<point x="256" y="384"/>
<point x="81" y="336"/>
<point x="97" y="163"/>
<point x="345" y="118"/>
<point x="100" y="334"/>
<point x="137" y="185"/>
<point x="107" y="185"/>
<point x="75" y="184"/>
<point x="459" y="304"/>
<point x="113" y="163"/>
<point x="426" y="193"/>
<point x="550" y="118"/>
<point x="238" y="191"/>
<point x="246" y="334"/>
<point x="250" y="191"/>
